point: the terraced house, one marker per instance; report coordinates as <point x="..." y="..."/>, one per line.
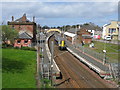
<point x="26" y="29"/>
<point x="111" y="29"/>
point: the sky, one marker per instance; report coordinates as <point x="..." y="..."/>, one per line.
<point x="59" y="13"/>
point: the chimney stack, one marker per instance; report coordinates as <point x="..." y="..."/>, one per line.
<point x="12" y="18"/>
<point x="33" y="18"/>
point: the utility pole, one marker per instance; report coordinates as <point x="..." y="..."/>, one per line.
<point x="52" y="56"/>
<point x="76" y="37"/>
<point x="38" y="61"/>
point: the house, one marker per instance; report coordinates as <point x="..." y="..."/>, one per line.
<point x="23" y="40"/>
<point x="93" y="29"/>
<point x="119" y="33"/>
<point x="111" y="29"/>
<point x="85" y="36"/>
<point x="26" y="29"/>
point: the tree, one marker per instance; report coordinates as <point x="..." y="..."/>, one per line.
<point x="8" y="34"/>
<point x="45" y="27"/>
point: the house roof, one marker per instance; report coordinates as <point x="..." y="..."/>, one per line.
<point x="21" y="19"/>
<point x="91" y="27"/>
<point x="73" y="30"/>
<point x="86" y="36"/>
<point x="24" y="35"/>
<point x="70" y="34"/>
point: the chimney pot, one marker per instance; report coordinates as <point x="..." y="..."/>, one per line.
<point x="12" y="18"/>
<point x="33" y="18"/>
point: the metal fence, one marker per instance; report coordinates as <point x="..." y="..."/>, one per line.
<point x="99" y="56"/>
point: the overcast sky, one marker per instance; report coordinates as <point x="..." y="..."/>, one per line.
<point x="61" y="13"/>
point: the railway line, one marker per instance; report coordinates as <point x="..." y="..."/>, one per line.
<point x="74" y="73"/>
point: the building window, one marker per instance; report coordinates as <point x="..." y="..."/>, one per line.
<point x="18" y="41"/>
<point x="112" y="30"/>
<point x="26" y="41"/>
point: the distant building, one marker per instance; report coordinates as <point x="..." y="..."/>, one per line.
<point x="85" y="36"/>
<point x="70" y="36"/>
<point x="26" y="29"/>
<point x="92" y="28"/>
<point x="111" y="29"/>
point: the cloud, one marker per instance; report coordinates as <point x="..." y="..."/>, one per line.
<point x="44" y="10"/>
<point x="60" y="0"/>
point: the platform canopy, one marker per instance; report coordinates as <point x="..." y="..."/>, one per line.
<point x="70" y="34"/>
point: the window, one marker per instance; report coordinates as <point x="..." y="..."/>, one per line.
<point x="112" y="30"/>
<point x="18" y="41"/>
<point x="26" y="41"/>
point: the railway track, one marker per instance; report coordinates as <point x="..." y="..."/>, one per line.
<point x="74" y="73"/>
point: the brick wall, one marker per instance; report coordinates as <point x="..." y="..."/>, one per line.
<point x="22" y="43"/>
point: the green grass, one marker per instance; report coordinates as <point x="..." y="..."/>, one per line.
<point x="0" y="68"/>
<point x="18" y="68"/>
<point x="112" y="50"/>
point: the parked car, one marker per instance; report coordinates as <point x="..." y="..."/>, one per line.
<point x="108" y="38"/>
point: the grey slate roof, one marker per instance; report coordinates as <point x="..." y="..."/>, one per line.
<point x="72" y="30"/>
<point x="86" y="36"/>
<point x="91" y="27"/>
<point x="24" y="36"/>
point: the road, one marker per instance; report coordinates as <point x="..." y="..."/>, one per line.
<point x="75" y="74"/>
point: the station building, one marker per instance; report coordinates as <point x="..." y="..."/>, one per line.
<point x="26" y="29"/>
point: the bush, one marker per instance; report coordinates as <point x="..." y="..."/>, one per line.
<point x="28" y="48"/>
<point x="7" y="45"/>
<point x="16" y="48"/>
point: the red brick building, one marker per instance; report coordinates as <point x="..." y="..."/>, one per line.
<point x="26" y="29"/>
<point x="85" y="36"/>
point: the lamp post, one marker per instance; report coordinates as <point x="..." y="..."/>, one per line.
<point x="52" y="56"/>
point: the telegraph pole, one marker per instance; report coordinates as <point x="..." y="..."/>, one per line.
<point x="76" y="37"/>
<point x="52" y="56"/>
<point x="38" y="61"/>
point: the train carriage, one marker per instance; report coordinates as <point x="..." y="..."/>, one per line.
<point x="60" y="42"/>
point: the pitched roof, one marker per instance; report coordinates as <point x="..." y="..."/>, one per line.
<point x="21" y="19"/>
<point x="73" y="30"/>
<point x="24" y="35"/>
<point x="91" y="27"/>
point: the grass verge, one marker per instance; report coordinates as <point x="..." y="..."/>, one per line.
<point x="18" y="68"/>
<point x="112" y="50"/>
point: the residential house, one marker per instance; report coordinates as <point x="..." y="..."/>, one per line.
<point x="26" y="29"/>
<point x="92" y="28"/>
<point x="111" y="29"/>
<point x="85" y="36"/>
<point x="119" y="31"/>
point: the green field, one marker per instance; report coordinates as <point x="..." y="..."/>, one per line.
<point x="112" y="50"/>
<point x="18" y="68"/>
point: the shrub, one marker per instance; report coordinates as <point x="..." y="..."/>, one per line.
<point x="28" y="48"/>
<point x="7" y="45"/>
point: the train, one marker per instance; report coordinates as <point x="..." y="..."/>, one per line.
<point x="60" y="42"/>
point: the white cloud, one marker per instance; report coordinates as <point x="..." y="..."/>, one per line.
<point x="60" y="0"/>
<point x="43" y="10"/>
